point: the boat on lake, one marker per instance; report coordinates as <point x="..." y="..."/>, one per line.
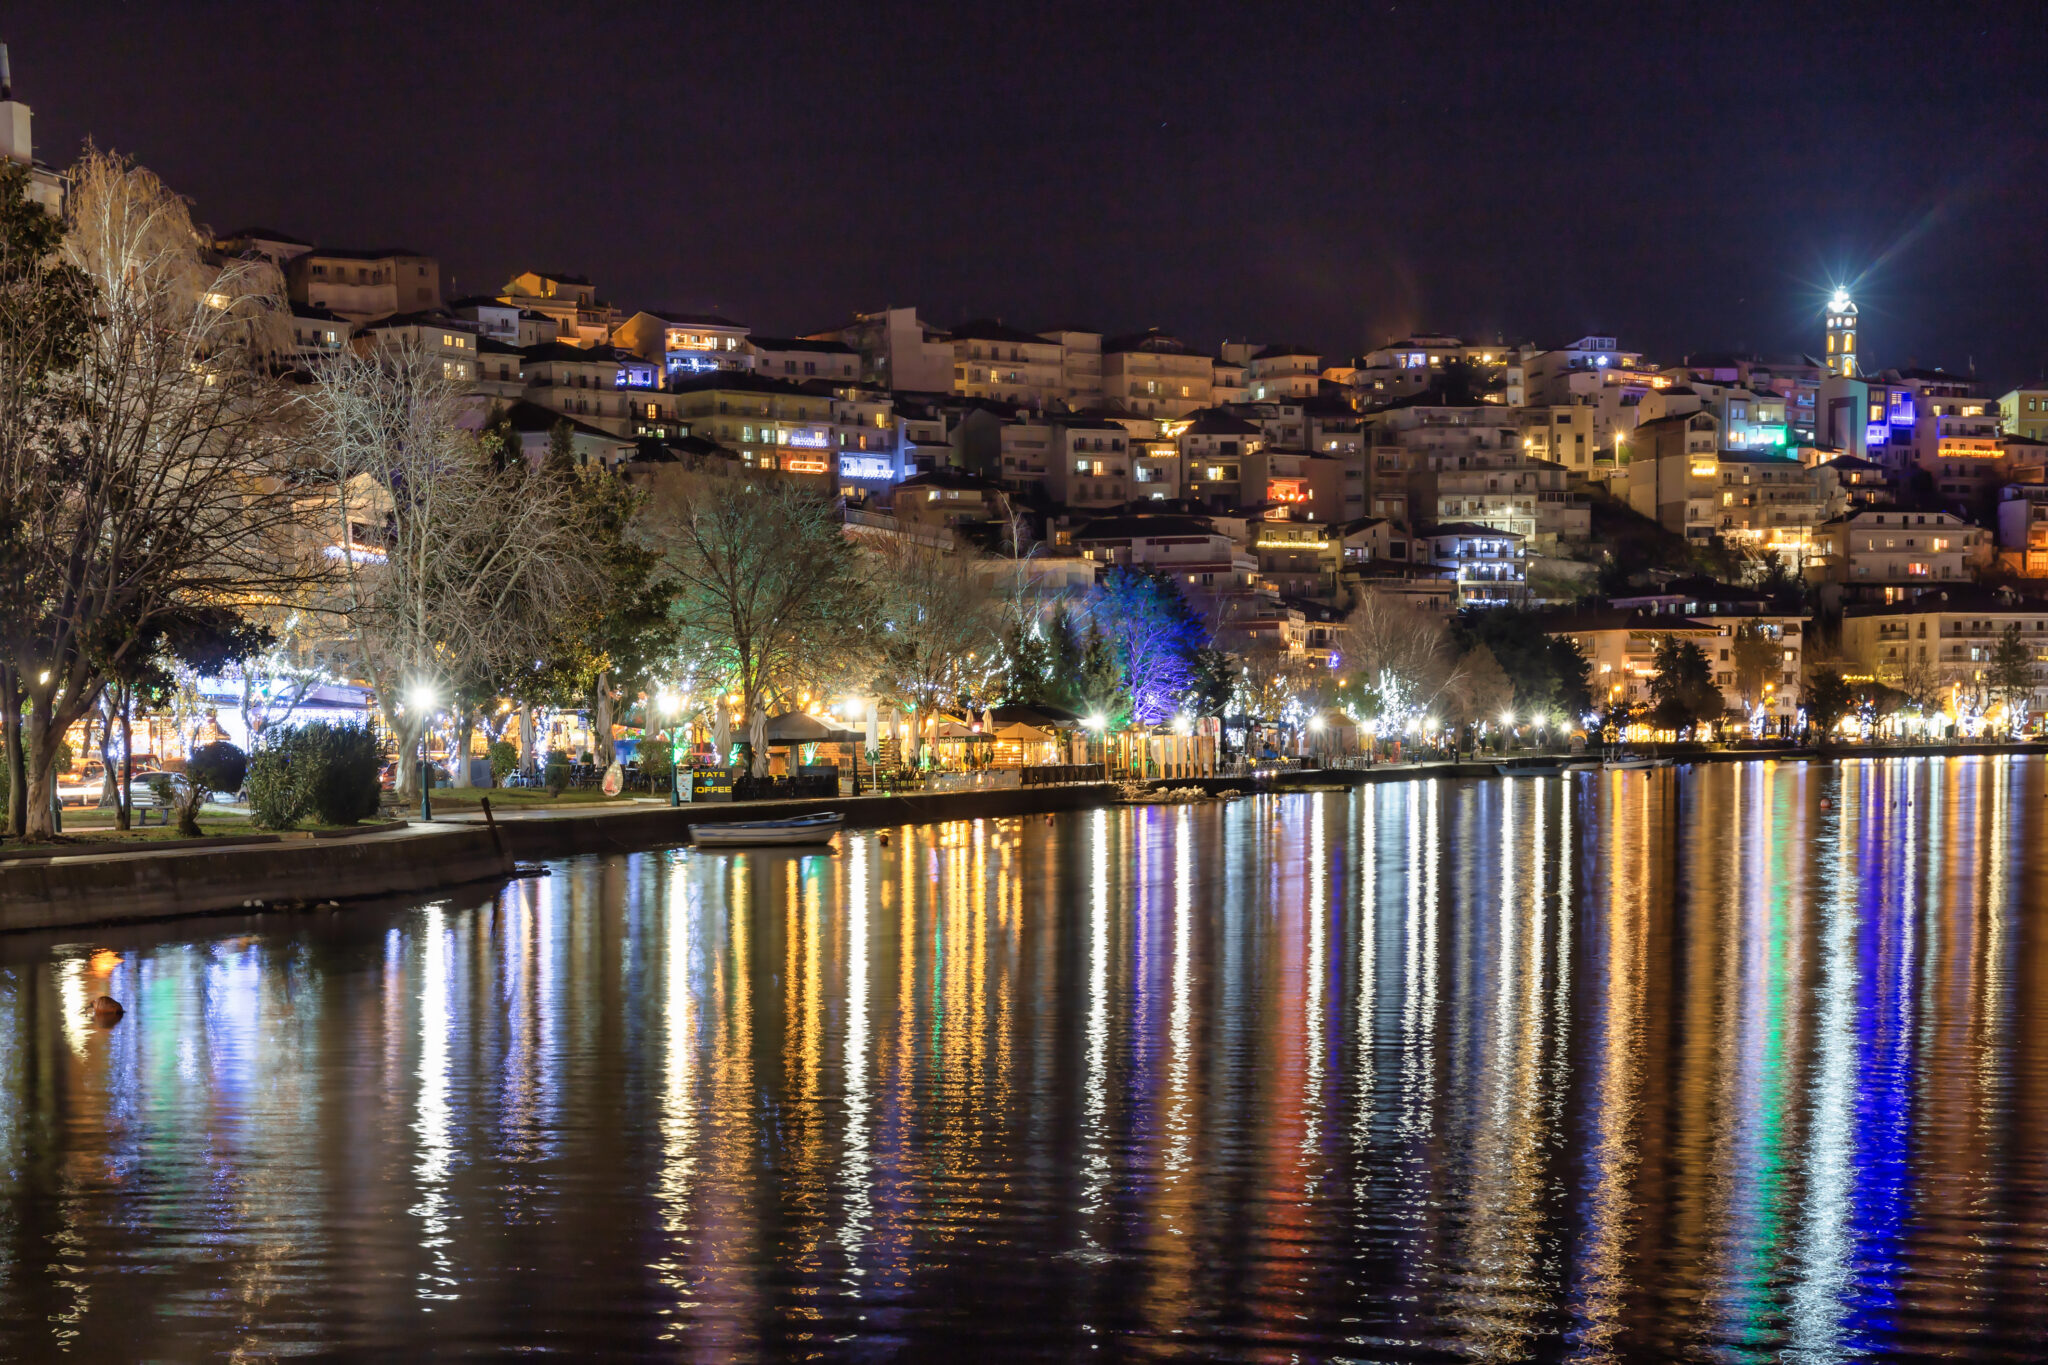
<point x="1636" y="762"/>
<point x="1533" y="767"/>
<point x="817" y="828"/>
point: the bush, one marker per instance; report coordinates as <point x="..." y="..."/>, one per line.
<point x="654" y="760"/>
<point x="504" y="760"/>
<point x="272" y="784"/>
<point x="217" y="768"/>
<point x="555" y="775"/>
<point x="328" y="773"/>
<point x="211" y="768"/>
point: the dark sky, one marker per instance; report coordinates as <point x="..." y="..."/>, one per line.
<point x="1687" y="178"/>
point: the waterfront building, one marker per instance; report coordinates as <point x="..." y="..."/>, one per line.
<point x="1942" y="642"/>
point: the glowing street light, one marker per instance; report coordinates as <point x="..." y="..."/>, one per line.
<point x="421" y="699"/>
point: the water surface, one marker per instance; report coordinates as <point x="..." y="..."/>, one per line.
<point x="1748" y="1062"/>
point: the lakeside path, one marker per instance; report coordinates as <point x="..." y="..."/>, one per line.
<point x="78" y="884"/>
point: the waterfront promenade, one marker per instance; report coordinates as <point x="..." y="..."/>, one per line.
<point x="81" y="883"/>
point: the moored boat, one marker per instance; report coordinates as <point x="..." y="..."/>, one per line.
<point x="802" y="829"/>
<point x="1633" y="762"/>
<point x="1533" y="767"/>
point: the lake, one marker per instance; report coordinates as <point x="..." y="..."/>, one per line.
<point x="1743" y="1061"/>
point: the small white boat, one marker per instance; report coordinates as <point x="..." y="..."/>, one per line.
<point x="801" y="829"/>
<point x="1633" y="763"/>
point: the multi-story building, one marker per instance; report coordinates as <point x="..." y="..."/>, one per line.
<point x="1080" y="365"/>
<point x="1890" y="556"/>
<point x="508" y="324"/>
<point x="607" y="388"/>
<point x="772" y="424"/>
<point x="1415" y="364"/>
<point x="1090" y="464"/>
<point x="1006" y="365"/>
<point x="436" y="334"/>
<point x="1871" y="419"/>
<point x="1949" y="418"/>
<point x="1410" y="441"/>
<point x="898" y="350"/>
<point x="569" y="301"/>
<point x="1228" y="376"/>
<point x="1534" y="499"/>
<point x="1284" y="373"/>
<point x="317" y="332"/>
<point x="1562" y="433"/>
<point x="1193" y="549"/>
<point x="1151" y="374"/>
<point x="1577" y="370"/>
<point x="1943" y="641"/>
<point x="1490" y="564"/>
<point x="17" y="144"/>
<point x="1846" y="484"/>
<point x="685" y="343"/>
<point x="798" y="359"/>
<point x="2022" y="518"/>
<point x="1673" y="473"/>
<point x="1767" y="502"/>
<point x="2024" y="412"/>
<point x="364" y="286"/>
<point x="1620" y="642"/>
<point x="1214" y="449"/>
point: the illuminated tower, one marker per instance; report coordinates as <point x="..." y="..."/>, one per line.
<point x="1842" y="334"/>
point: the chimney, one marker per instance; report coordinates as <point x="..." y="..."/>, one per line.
<point x="6" y="76"/>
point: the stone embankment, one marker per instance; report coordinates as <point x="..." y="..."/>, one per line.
<point x="77" y="886"/>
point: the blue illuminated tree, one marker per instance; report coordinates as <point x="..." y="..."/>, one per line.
<point x="1156" y="640"/>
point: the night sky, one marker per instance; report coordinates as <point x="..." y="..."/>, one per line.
<point x="1687" y="179"/>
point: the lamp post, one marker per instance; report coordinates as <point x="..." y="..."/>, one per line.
<point x="856" y="710"/>
<point x="423" y="702"/>
<point x="671" y="705"/>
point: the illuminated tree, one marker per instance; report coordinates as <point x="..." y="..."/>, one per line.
<point x="2012" y="675"/>
<point x="1156" y="641"/>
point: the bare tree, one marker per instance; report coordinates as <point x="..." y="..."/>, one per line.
<point x="454" y="564"/>
<point x="768" y="590"/>
<point x="1404" y="655"/>
<point x="161" y="493"/>
<point x="937" y="639"/>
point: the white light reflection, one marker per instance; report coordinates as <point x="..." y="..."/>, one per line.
<point x="857" y="1163"/>
<point x="436" y="1151"/>
<point x="1179" y="1130"/>
<point x="1312" y="998"/>
<point x="679" y="1109"/>
<point x="1095" y="1182"/>
<point x="1368" y="967"/>
<point x="1821" y="1259"/>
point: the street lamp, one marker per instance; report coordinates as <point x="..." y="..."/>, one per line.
<point x="671" y="706"/>
<point x="423" y="702"/>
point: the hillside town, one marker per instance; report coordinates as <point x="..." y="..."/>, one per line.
<point x="1086" y="544"/>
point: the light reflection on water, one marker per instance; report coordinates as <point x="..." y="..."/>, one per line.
<point x="1668" y="1064"/>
